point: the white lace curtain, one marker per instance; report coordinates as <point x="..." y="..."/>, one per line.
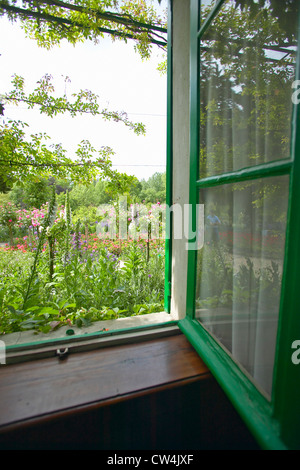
<point x="245" y="121"/>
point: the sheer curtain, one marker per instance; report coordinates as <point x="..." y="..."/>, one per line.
<point x="245" y="120"/>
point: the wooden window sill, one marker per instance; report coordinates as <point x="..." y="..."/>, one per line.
<point x="39" y="389"/>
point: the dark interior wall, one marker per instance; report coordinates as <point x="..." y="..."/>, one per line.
<point x="196" y="416"/>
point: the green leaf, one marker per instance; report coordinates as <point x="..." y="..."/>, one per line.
<point x="32" y="309"/>
<point x="49" y="311"/>
<point x="29" y="324"/>
<point x="11" y="309"/>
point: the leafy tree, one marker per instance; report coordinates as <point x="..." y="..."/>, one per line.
<point x="84" y="102"/>
<point x="284" y="11"/>
<point x="50" y="21"/>
<point x="22" y="158"/>
<point x="154" y="189"/>
<point x="61" y="186"/>
<point x="135" y="191"/>
<point x="31" y="194"/>
<point x="91" y="195"/>
<point x="101" y="195"/>
<point x="122" y="186"/>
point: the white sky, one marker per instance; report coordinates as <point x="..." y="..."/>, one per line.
<point x="113" y="71"/>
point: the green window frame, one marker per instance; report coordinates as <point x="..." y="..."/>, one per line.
<point x="274" y="422"/>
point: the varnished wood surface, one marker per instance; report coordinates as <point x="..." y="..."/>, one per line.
<point x="50" y="386"/>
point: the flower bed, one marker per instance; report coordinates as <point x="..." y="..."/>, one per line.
<point x="56" y="276"/>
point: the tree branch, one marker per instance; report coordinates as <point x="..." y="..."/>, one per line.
<point x="65" y="21"/>
<point x="123" y="19"/>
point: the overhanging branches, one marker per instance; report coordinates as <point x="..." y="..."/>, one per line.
<point x="133" y="29"/>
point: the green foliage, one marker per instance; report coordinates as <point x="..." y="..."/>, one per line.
<point x="242" y="288"/>
<point x="31" y="194"/>
<point x="4" y="198"/>
<point x="241" y="91"/>
<point x="247" y="68"/>
<point x="87" y="217"/>
<point x="276" y="8"/>
<point x="93" y="194"/>
<point x="153" y="189"/>
<point x="31" y="291"/>
<point x="84" y="102"/>
<point x="8" y="214"/>
<point x="162" y="67"/>
<point x="57" y="275"/>
<point x="67" y="277"/>
<point x="91" y="285"/>
<point x="8" y="218"/>
<point x="49" y="23"/>
<point x="26" y="159"/>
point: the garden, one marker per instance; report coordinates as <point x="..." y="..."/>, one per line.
<point x="69" y="254"/>
<point x="59" y="271"/>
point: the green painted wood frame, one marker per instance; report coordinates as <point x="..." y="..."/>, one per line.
<point x="275" y="423"/>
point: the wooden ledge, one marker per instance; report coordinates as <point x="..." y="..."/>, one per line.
<point x="46" y="388"/>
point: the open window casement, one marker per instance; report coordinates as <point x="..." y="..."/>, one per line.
<point x="235" y="165"/>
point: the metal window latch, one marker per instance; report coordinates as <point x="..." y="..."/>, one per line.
<point x="62" y="354"/>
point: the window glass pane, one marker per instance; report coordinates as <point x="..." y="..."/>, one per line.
<point x="247" y="69"/>
<point x="239" y="269"/>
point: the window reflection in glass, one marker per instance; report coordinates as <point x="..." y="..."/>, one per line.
<point x="239" y="269"/>
<point x="247" y="69"/>
<point x="206" y="7"/>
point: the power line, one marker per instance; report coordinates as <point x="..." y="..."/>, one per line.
<point x="138" y="165"/>
<point x="146" y="114"/>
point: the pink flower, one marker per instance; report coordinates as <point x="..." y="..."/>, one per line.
<point x="10" y="220"/>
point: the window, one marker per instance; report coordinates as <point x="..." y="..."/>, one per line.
<point x="75" y="68"/>
<point x="237" y="159"/>
<point x="242" y="305"/>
